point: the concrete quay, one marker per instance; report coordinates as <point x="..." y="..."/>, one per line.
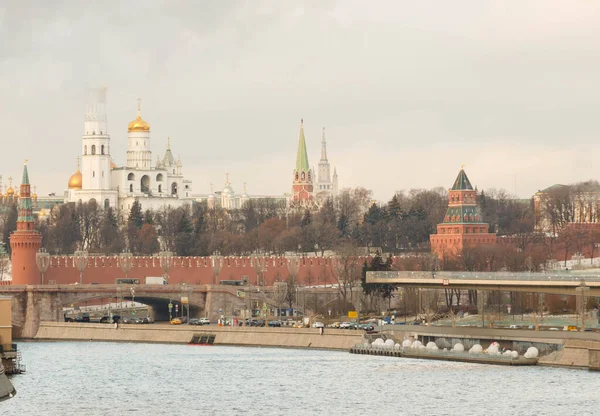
<point x="332" y="339"/>
<point x="562" y="348"/>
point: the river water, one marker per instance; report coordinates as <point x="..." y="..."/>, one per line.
<point x="97" y="378"/>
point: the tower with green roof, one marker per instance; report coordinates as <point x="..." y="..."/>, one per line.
<point x="302" y="185"/>
<point x="462" y="225"/>
<point x="25" y="242"/>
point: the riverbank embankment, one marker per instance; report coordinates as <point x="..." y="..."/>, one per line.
<point x="183" y="334"/>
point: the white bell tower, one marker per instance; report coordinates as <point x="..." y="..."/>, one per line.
<point x="95" y="143"/>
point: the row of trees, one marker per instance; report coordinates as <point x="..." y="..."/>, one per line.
<point x="402" y="224"/>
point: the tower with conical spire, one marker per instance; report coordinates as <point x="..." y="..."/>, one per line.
<point x="302" y="185"/>
<point x="25" y="242"/>
<point x="462" y="225"/>
<point x="324" y="188"/>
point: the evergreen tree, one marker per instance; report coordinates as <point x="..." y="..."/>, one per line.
<point x="306" y="219"/>
<point x="377" y="264"/>
<point x="134" y="224"/>
<point x="9" y="226"/>
<point x="111" y="240"/>
<point x="184" y="236"/>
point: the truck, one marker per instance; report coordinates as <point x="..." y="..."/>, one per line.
<point x="155" y="280"/>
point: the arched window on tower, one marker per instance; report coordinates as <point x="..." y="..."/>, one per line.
<point x="159" y="188"/>
<point x="102" y="149"/>
<point x="93" y="149"/>
<point x="130" y="187"/>
<point x="106" y="203"/>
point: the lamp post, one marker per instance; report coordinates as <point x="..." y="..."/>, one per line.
<point x="166" y="260"/>
<point x="126" y="262"/>
<point x="185" y="287"/>
<point x="132" y="292"/>
<point x="217" y="264"/>
<point x="582" y="288"/>
<point x="81" y="258"/>
<point x="42" y="259"/>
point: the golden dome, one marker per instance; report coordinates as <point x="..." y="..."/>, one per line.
<point x="10" y="191"/>
<point x="75" y="180"/>
<point x="138" y="124"/>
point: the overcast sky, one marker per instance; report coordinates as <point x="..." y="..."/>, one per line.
<point x="408" y="90"/>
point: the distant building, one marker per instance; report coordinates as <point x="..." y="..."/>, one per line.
<point x="560" y="205"/>
<point x="99" y="179"/>
<point x="462" y="225"/>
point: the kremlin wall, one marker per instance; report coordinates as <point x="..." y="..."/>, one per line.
<point x="193" y="270"/>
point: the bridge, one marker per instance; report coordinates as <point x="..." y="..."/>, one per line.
<point x="560" y="283"/>
<point x="32" y="304"/>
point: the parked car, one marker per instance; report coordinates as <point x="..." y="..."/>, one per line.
<point x="175" y="321"/>
<point x="318" y="325"/>
<point x="194" y="321"/>
<point x="274" y="323"/>
<point x="345" y="325"/>
<point x="515" y="327"/>
<point x="204" y="321"/>
<point x="256" y="322"/>
<point x="353" y="325"/>
<point x="366" y="327"/>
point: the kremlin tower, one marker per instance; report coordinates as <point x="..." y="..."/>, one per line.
<point x="25" y="242"/>
<point x="302" y="188"/>
<point x="462" y="226"/>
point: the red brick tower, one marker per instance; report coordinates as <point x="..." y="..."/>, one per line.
<point x="302" y="187"/>
<point x="25" y="242"/>
<point x="462" y="225"/>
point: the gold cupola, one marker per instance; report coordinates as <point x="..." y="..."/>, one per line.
<point x="10" y="192"/>
<point x="138" y="124"/>
<point x="76" y="179"/>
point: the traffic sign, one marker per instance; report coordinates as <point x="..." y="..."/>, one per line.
<point x="220" y="310"/>
<point x="352" y="314"/>
<point x="264" y="306"/>
<point x="446" y="282"/>
<point x="170" y="306"/>
<point x="241" y="294"/>
<point x="184" y="300"/>
<point x="329" y="311"/>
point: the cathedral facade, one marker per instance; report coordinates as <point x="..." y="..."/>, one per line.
<point x="98" y="178"/>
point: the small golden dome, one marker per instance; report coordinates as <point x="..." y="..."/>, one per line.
<point x="138" y="124"/>
<point x="10" y="191"/>
<point x="75" y="180"/>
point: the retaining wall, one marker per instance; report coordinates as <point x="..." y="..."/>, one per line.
<point x="243" y="336"/>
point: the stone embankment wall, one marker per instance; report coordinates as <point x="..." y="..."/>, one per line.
<point x="334" y="339"/>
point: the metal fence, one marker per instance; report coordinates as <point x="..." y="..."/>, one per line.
<point x="533" y="277"/>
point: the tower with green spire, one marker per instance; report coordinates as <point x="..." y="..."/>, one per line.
<point x="25" y="242"/>
<point x="302" y="187"/>
<point x="462" y="225"/>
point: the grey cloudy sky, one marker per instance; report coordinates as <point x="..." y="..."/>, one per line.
<point x="408" y="90"/>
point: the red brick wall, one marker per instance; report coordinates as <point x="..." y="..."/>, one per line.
<point x="194" y="270"/>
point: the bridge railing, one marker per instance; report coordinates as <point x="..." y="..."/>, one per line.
<point x="533" y="277"/>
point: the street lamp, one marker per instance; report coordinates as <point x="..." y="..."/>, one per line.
<point x="81" y="258"/>
<point x="166" y="260"/>
<point x="42" y="259"/>
<point x="126" y="262"/>
<point x="217" y="264"/>
<point x="185" y="287"/>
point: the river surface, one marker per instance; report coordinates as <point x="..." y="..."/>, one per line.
<point x="97" y="378"/>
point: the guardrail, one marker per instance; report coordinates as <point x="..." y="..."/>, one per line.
<point x="532" y="277"/>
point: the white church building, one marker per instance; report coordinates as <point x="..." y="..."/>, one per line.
<point x="99" y="179"/>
